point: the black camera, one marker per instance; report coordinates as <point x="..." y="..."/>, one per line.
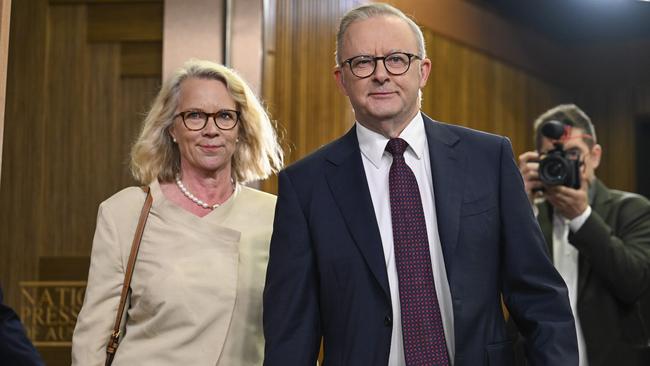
<point x="556" y="169"/>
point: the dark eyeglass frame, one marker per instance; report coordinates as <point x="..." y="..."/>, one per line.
<point x="214" y="115"/>
<point x="374" y="60"/>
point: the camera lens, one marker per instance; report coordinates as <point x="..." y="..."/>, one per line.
<point x="553" y="171"/>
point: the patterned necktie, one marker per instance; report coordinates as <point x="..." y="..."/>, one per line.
<point x="422" y="330"/>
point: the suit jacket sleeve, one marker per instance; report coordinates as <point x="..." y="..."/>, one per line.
<point x="291" y="303"/>
<point x="534" y="292"/>
<point x="15" y="347"/>
<point x="105" y="277"/>
<point x="621" y="257"/>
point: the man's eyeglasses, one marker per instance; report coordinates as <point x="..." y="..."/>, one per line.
<point x="396" y="63"/>
<point x="225" y="119"/>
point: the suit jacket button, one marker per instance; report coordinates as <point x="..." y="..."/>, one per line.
<point x="388" y="320"/>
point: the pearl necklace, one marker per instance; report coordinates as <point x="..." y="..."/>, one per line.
<point x="195" y="199"/>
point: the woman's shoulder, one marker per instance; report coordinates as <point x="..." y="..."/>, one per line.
<point x="254" y="211"/>
<point x="256" y="194"/>
<point x="124" y="199"/>
<point x="254" y="197"/>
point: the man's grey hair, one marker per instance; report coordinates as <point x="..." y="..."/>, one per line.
<point x="370" y="11"/>
<point x="568" y="115"/>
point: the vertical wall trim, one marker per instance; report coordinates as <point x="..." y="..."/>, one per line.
<point x="5" y="15"/>
<point x="245" y="43"/>
<point x="246" y="36"/>
<point x="227" y="32"/>
<point x="192" y="29"/>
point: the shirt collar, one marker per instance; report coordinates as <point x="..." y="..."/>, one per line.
<point x="373" y="144"/>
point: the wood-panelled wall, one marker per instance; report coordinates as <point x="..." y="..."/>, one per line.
<point x="76" y="93"/>
<point x="614" y="111"/>
<point x="298" y="83"/>
<point x="612" y="90"/>
<point x="5" y="15"/>
<point x="466" y="87"/>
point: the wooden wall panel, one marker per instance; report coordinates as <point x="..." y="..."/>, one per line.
<point x="614" y="113"/>
<point x="125" y="21"/>
<point x="71" y="119"/>
<point x="5" y="15"/>
<point x="141" y="59"/>
<point x="61" y="188"/>
<point x="468" y="24"/>
<point x="299" y="87"/>
<point x="23" y="136"/>
<point x="471" y="89"/>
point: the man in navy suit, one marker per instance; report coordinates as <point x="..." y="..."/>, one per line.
<point x="396" y="242"/>
<point x="15" y="347"/>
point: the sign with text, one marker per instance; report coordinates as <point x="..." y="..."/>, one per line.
<point x="49" y="310"/>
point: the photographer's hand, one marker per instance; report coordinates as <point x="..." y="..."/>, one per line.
<point x="529" y="169"/>
<point x="569" y="202"/>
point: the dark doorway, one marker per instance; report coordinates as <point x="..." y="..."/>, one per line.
<point x="643" y="155"/>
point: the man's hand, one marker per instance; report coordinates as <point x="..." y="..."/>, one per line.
<point x="529" y="168"/>
<point x="569" y="202"/>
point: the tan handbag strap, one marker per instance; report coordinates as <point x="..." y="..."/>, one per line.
<point x="135" y="246"/>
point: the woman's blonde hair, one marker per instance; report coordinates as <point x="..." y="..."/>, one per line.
<point x="258" y="153"/>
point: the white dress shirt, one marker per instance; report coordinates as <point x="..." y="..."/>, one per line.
<point x="565" y="258"/>
<point x="376" y="163"/>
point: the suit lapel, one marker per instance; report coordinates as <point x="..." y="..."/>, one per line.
<point x="447" y="176"/>
<point x="347" y="179"/>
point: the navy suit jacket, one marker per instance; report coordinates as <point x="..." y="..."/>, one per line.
<point x="327" y="274"/>
<point x="15" y="347"/>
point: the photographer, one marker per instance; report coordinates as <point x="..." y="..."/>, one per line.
<point x="598" y="238"/>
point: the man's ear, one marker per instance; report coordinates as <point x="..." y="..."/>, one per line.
<point x="340" y="82"/>
<point x="597" y="153"/>
<point x="425" y="70"/>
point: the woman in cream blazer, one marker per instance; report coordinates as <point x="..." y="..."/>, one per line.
<point x="196" y="292"/>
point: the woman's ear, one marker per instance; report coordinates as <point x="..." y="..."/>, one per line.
<point x="171" y="133"/>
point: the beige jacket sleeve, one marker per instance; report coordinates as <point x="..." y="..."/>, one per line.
<point x="97" y="315"/>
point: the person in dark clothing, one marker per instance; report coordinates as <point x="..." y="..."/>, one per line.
<point x="15" y="348"/>
<point x="598" y="239"/>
